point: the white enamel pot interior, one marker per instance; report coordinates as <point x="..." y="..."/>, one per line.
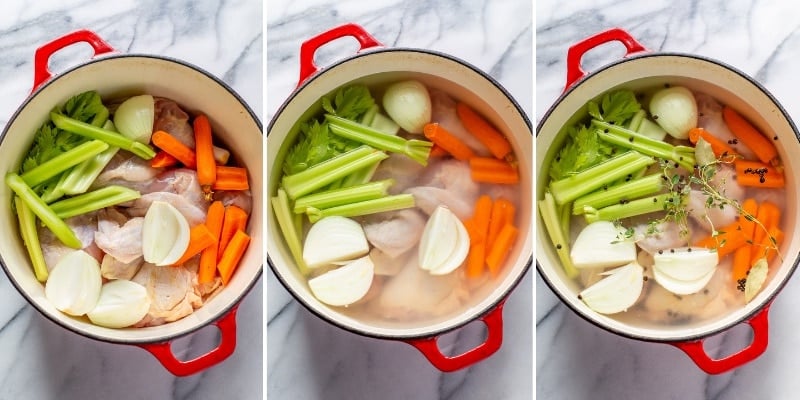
<point x="120" y="75"/>
<point x="642" y="69"/>
<point x="464" y="82"/>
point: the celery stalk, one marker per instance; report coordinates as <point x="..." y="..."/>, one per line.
<point x="63" y="162"/>
<point x="552" y="223"/>
<point x="418" y="150"/>
<point x="55" y="191"/>
<point x="570" y="188"/>
<point x="338" y="197"/>
<point x="683" y="155"/>
<point x="637" y="119"/>
<point x="112" y="138"/>
<point x="388" y="203"/>
<point x="284" y="215"/>
<point x="27" y="228"/>
<point x="615" y="194"/>
<point x="94" y="200"/>
<point x="630" y="209"/>
<point x="329" y="171"/>
<point x="59" y="228"/>
<point x="361" y="176"/>
<point x="81" y="177"/>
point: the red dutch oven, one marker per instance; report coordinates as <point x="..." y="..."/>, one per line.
<point x="118" y="75"/>
<point x="641" y="68"/>
<point x="375" y="64"/>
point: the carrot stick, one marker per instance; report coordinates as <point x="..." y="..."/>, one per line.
<point x="718" y="146"/>
<point x="761" y="145"/>
<point x="162" y="159"/>
<point x="200" y="237"/>
<point x="232" y="255"/>
<point x="499" y="250"/>
<point x="749" y="207"/>
<point x="482" y="216"/>
<point x="444" y="139"/>
<point x="175" y="148"/>
<point x="437" y="151"/>
<point x="204" y="149"/>
<point x="483" y="131"/>
<point x="230" y="178"/>
<point x="727" y="240"/>
<point x="208" y="258"/>
<point x="757" y="174"/>
<point x="767" y="247"/>
<point x="741" y="264"/>
<point x="476" y="258"/>
<point x="234" y="219"/>
<point x="492" y="170"/>
<point x="502" y="214"/>
<point x="769" y="216"/>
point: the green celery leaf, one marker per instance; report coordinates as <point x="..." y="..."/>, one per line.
<point x="618" y="107"/>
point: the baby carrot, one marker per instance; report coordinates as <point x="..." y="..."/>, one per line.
<point x="234" y="219"/>
<point x="230" y="178"/>
<point x="208" y="258"/>
<point x="718" y="146"/>
<point x="446" y="140"/>
<point x="502" y="214"/>
<point x="499" y="250"/>
<point x="760" y="145"/>
<point x="204" y="150"/>
<point x="162" y="159"/>
<point x="200" y="237"/>
<point x="483" y="131"/>
<point x="492" y="170"/>
<point x="232" y="255"/>
<point x="175" y="148"/>
<point x="758" y="174"/>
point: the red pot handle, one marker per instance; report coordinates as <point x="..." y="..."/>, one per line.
<point x="430" y="348"/>
<point x="757" y="347"/>
<point x="41" y="73"/>
<point x="310" y="46"/>
<point x="576" y="52"/>
<point x="163" y="351"/>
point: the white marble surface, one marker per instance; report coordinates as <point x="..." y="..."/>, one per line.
<point x="306" y="357"/>
<point x="576" y="360"/>
<point x="40" y="360"/>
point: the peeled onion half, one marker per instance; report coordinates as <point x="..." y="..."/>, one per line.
<point x="122" y="303"/>
<point x="344" y="285"/>
<point x="165" y="234"/>
<point x="74" y="283"/>
<point x="444" y="244"/>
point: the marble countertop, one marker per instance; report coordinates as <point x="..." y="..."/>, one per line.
<point x="40" y="360"/>
<point x="576" y="360"/>
<point x="494" y="36"/>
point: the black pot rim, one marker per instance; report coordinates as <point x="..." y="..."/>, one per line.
<point x="489" y="308"/>
<point x="746" y="316"/>
<point x="64" y="75"/>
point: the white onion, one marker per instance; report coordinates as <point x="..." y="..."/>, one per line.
<point x="686" y="263"/>
<point x="344" y="285"/>
<point x="74" y="283"/>
<point x="600" y="245"/>
<point x="333" y="239"/>
<point x="134" y="118"/>
<point x="444" y="244"/>
<point x="122" y="303"/>
<point x="165" y="234"/>
<point x="408" y="104"/>
<point x="616" y="292"/>
<point x="675" y="110"/>
<point x="681" y="287"/>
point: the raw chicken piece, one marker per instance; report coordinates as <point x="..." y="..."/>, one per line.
<point x="204" y="290"/>
<point x="668" y="236"/>
<point x="170" y="118"/>
<point x="386" y="265"/>
<point x="414" y="293"/>
<point x="126" y="167"/>
<point x="427" y="198"/>
<point x="84" y="227"/>
<point x="195" y="213"/>
<point x="707" y="217"/>
<point x="111" y="268"/>
<point x="453" y="175"/>
<point x="724" y="181"/>
<point x="239" y="198"/>
<point x="402" y="169"/>
<point x="171" y="293"/>
<point x="443" y="112"/>
<point x="118" y="236"/>
<point x="396" y="232"/>
<point x="709" y="117"/>
<point x="775" y="196"/>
